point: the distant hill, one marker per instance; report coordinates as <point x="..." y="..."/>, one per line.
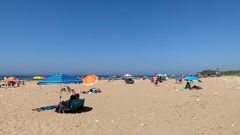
<point x="208" y="72"/>
<point x="226" y="73"/>
<point x="234" y="73"/>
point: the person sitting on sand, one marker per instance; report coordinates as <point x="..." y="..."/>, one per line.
<point x="67" y="103"/>
<point x="77" y="96"/>
<point x="195" y="87"/>
<point x="72" y="97"/>
<point x="17" y="82"/>
<point x="188" y="86"/>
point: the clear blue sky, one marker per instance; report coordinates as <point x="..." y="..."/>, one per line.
<point x="118" y="36"/>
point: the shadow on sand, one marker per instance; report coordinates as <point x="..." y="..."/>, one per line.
<point x="83" y="109"/>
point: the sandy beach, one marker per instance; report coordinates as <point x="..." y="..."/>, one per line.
<point x="139" y="109"/>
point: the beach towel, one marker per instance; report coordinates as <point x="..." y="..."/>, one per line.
<point x="185" y="89"/>
<point x="45" y="108"/>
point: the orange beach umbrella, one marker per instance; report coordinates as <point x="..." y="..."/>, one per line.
<point x="10" y="79"/>
<point x="90" y="80"/>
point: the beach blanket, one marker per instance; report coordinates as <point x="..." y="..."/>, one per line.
<point x="185" y="89"/>
<point x="189" y="89"/>
<point x="45" y="108"/>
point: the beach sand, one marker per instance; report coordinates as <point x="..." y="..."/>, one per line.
<point x="139" y="109"/>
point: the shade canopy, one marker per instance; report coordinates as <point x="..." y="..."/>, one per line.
<point x="10" y="79"/>
<point x="60" y="79"/>
<point x="192" y="78"/>
<point x="38" y="77"/>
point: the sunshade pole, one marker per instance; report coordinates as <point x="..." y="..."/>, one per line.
<point x="59" y="79"/>
<point x="60" y="98"/>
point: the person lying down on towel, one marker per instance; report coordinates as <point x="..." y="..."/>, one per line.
<point x="195" y="87"/>
<point x="93" y="91"/>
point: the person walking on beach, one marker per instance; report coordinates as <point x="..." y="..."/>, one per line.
<point x="157" y="79"/>
<point x="181" y="79"/>
<point x="177" y="79"/>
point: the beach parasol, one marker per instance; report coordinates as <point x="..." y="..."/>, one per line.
<point x="10" y="79"/>
<point x="90" y="80"/>
<point x="160" y="75"/>
<point x="38" y="78"/>
<point x="127" y="76"/>
<point x="192" y="78"/>
<point x="60" y="79"/>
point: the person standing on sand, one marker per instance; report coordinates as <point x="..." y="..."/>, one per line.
<point x="5" y="82"/>
<point x="157" y="79"/>
<point x="177" y="78"/>
<point x="153" y="79"/>
<point x="181" y="79"/>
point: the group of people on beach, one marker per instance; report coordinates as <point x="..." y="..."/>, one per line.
<point x="179" y="80"/>
<point x="158" y="79"/>
<point x="9" y="82"/>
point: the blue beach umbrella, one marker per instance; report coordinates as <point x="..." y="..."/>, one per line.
<point x="60" y="79"/>
<point x="192" y="78"/>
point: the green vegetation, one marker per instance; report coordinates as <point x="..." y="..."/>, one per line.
<point x="225" y="73"/>
<point x="208" y="72"/>
<point x="232" y="73"/>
